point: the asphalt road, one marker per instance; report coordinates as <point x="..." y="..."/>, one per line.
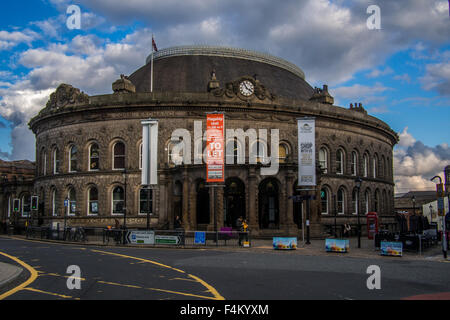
<point x="207" y="274"/>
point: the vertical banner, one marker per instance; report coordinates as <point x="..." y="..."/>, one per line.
<point x="149" y="152"/>
<point x="306" y="152"/>
<point x="215" y="164"/>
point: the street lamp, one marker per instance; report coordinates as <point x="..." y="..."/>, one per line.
<point x="444" y="233"/>
<point x="358" y="182"/>
<point x="414" y="205"/>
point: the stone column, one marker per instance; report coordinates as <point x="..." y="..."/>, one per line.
<point x="163" y="201"/>
<point x="169" y="191"/>
<point x="288" y="222"/>
<point x="219" y="206"/>
<point x="185" y="210"/>
<point x="252" y="213"/>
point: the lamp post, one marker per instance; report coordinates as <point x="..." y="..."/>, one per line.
<point x="444" y="234"/>
<point x="358" y="182"/>
<point x="414" y="205"/>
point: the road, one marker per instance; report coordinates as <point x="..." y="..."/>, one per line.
<point x="206" y="274"/>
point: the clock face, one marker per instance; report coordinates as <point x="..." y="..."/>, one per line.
<point x="246" y="88"/>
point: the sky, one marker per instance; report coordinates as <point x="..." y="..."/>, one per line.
<point x="399" y="71"/>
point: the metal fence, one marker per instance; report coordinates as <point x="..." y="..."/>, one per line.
<point x="164" y="238"/>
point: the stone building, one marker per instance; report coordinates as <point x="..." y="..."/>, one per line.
<point x="16" y="182"/>
<point x="88" y="148"/>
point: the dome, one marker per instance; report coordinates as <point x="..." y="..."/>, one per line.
<point x="188" y="69"/>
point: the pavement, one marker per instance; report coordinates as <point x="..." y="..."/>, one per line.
<point x="8" y="273"/>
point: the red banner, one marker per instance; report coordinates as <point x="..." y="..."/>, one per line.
<point x="215" y="149"/>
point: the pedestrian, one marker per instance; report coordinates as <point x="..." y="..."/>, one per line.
<point x="177" y="224"/>
<point x="347" y="229"/>
<point x="239" y="225"/>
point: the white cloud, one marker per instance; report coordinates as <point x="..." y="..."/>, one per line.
<point x="415" y="164"/>
<point x="9" y="40"/>
<point x="437" y="77"/>
<point x="379" y="72"/>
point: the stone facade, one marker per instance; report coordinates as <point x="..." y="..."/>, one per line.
<point x="115" y="118"/>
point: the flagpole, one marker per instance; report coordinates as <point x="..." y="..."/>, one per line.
<point x="151" y="76"/>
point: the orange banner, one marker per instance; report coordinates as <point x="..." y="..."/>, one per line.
<point x="215" y="149"/>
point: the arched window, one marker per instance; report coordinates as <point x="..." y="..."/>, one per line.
<point x="26" y="206"/>
<point x="384" y="204"/>
<point x="118" y="200"/>
<point x="382" y="167"/>
<point x="268" y="204"/>
<point x="355" y="201"/>
<point x="73" y="155"/>
<point x="43" y="162"/>
<point x="375" y="165"/>
<point x="377" y="201"/>
<point x="324" y="196"/>
<point x="259" y="149"/>
<point x="354" y="163"/>
<point x="55" y="161"/>
<point x="367" y="201"/>
<point x="92" y="201"/>
<point x="339" y="162"/>
<point x="282" y="153"/>
<point x="72" y="197"/>
<point x="341" y="201"/>
<point x="54" y="203"/>
<point x="175" y="153"/>
<point x="119" y="156"/>
<point x="323" y="159"/>
<point x="145" y="201"/>
<point x="94" y="157"/>
<point x="366" y="165"/>
<point x="203" y="203"/>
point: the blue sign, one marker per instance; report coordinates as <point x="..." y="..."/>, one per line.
<point x="66" y="203"/>
<point x="200" y="237"/>
<point x="391" y="249"/>
<point x="337" y="245"/>
<point x="284" y="243"/>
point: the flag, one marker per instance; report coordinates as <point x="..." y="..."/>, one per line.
<point x="154" y="44"/>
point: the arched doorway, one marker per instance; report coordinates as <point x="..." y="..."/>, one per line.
<point x="177" y="200"/>
<point x="234" y="201"/>
<point x="269" y="217"/>
<point x="203" y="216"/>
<point x="297" y="207"/>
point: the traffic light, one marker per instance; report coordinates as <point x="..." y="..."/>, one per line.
<point x="16" y="205"/>
<point x="34" y="202"/>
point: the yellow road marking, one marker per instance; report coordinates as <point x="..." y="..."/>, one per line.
<point x="183" y="279"/>
<point x="33" y="276"/>
<point x="184" y="294"/>
<point x="51" y="293"/>
<point x="58" y="275"/>
<point x="210" y="288"/>
<point x="140" y="259"/>
<point x="120" y="285"/>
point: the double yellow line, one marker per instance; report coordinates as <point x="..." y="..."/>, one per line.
<point x="33" y="276"/>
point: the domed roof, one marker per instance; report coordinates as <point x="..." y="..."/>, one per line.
<point x="188" y="69"/>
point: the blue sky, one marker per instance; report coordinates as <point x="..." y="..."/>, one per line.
<point x="401" y="73"/>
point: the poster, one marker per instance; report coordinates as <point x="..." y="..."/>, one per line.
<point x="306" y="152"/>
<point x="149" y="173"/>
<point x="337" y="245"/>
<point x="391" y="249"/>
<point x="215" y="164"/>
<point x="284" y="243"/>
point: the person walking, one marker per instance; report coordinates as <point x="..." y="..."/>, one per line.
<point x="239" y="226"/>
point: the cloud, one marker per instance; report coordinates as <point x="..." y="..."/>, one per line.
<point x="9" y="40"/>
<point x="379" y="72"/>
<point x="360" y="93"/>
<point x="437" y="77"/>
<point x="415" y="163"/>
<point x="403" y="78"/>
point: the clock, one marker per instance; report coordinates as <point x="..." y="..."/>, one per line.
<point x="246" y="88"/>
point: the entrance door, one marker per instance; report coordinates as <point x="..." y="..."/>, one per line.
<point x="202" y="203"/>
<point x="234" y="201"/>
<point x="268" y="204"/>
